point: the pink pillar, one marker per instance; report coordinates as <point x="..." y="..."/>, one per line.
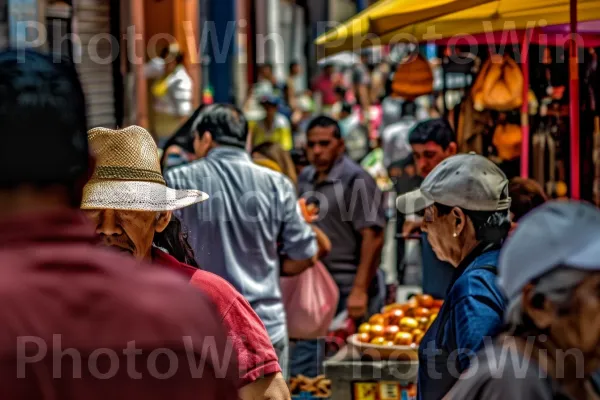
<point x="525" y="107"/>
<point x="574" y="105"/>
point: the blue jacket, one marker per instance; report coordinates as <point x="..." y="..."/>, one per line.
<point x="473" y="309"/>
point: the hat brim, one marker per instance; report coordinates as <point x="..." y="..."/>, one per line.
<point x="137" y="196"/>
<point x="413" y="202"/>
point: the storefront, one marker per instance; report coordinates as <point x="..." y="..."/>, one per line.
<point x="92" y="24"/>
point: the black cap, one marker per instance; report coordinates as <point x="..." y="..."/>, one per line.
<point x="43" y="129"/>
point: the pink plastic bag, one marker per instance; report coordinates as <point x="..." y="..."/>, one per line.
<point x="310" y="301"/>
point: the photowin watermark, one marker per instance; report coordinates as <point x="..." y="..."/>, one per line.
<point x="214" y="45"/>
<point x="206" y="357"/>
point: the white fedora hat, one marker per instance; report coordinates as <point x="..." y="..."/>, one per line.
<point x="128" y="175"/>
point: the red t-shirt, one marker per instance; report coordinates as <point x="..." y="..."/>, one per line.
<point x="325" y="86"/>
<point x="255" y="353"/>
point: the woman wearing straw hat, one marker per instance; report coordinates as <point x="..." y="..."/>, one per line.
<point x="129" y="202"/>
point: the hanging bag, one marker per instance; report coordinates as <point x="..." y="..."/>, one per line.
<point x="310" y="301"/>
<point x="499" y="85"/>
<point x="413" y="78"/>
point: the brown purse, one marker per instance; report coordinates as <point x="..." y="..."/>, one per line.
<point x="499" y="85"/>
<point x="413" y="78"/>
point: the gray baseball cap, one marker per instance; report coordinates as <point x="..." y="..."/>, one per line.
<point x="468" y="181"/>
<point x="558" y="233"/>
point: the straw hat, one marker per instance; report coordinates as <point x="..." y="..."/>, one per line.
<point x="128" y="174"/>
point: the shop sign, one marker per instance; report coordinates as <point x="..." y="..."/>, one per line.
<point x="383" y="391"/>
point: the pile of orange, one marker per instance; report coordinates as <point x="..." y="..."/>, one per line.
<point x="401" y="324"/>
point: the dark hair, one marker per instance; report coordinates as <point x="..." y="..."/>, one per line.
<point x="525" y="194"/>
<point x="179" y="58"/>
<point x="340" y="90"/>
<point x="164" y="52"/>
<point x="266" y="65"/>
<point x="175" y="241"/>
<point x="293" y="64"/>
<point x="43" y="126"/>
<point x="225" y="122"/>
<point x="490" y="226"/>
<point x="347" y="107"/>
<point x="436" y="130"/>
<point x="299" y="157"/>
<point x="323" y="121"/>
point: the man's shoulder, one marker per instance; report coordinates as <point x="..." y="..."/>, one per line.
<point x="221" y="292"/>
<point x="70" y="294"/>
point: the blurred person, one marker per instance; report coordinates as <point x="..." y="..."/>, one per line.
<point x="394" y="138"/>
<point x="465" y="203"/>
<point x="432" y="141"/>
<point x="56" y="281"/>
<point x="361" y="83"/>
<point x="173" y="96"/>
<point x="300" y="160"/>
<point x="324" y="85"/>
<point x="525" y="194"/>
<point x="550" y="271"/>
<point x="275" y="127"/>
<point x="155" y="67"/>
<point x="293" y="84"/>
<point x="273" y="152"/>
<point x="132" y="210"/>
<point x="253" y="217"/>
<point x="340" y="100"/>
<point x="354" y="225"/>
<point x="300" y="120"/>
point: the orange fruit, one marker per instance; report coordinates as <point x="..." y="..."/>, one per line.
<point x="426" y="301"/>
<point x="409" y="323"/>
<point x="394" y="317"/>
<point x="403" y="339"/>
<point x="391" y="331"/>
<point x="364" y="328"/>
<point x="422" y="312"/>
<point x="378" y="341"/>
<point x="377" y="319"/>
<point x="377" y="330"/>
<point x="364" y="337"/>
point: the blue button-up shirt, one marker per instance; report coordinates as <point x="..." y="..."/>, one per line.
<point x="472" y="311"/>
<point x="252" y="214"/>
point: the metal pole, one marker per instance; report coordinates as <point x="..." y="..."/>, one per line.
<point x="525" y="137"/>
<point x="574" y="105"/>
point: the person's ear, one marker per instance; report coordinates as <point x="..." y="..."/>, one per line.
<point x="460" y="221"/>
<point x="162" y="220"/>
<point x="539" y="309"/>
<point x="452" y="148"/>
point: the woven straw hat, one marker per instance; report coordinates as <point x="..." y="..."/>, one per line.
<point x="128" y="174"/>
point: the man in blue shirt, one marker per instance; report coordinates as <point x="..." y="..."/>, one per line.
<point x="465" y="205"/>
<point x="251" y="217"/>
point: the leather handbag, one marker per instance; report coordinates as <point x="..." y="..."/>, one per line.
<point x="499" y="85"/>
<point x="413" y="78"/>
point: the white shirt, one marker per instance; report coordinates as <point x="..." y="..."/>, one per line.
<point x="178" y="99"/>
<point x="154" y="68"/>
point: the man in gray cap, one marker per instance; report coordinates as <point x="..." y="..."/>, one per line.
<point x="550" y="271"/>
<point x="465" y="204"/>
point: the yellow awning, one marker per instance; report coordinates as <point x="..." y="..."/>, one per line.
<point x="499" y="15"/>
<point x="372" y="21"/>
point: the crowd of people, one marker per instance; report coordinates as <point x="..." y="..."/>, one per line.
<point x="110" y="254"/>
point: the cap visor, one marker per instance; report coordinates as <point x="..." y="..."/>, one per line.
<point x="137" y="196"/>
<point x="587" y="258"/>
<point x="413" y="202"/>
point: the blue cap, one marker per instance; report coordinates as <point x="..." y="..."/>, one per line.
<point x="557" y="233"/>
<point x="270" y="99"/>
